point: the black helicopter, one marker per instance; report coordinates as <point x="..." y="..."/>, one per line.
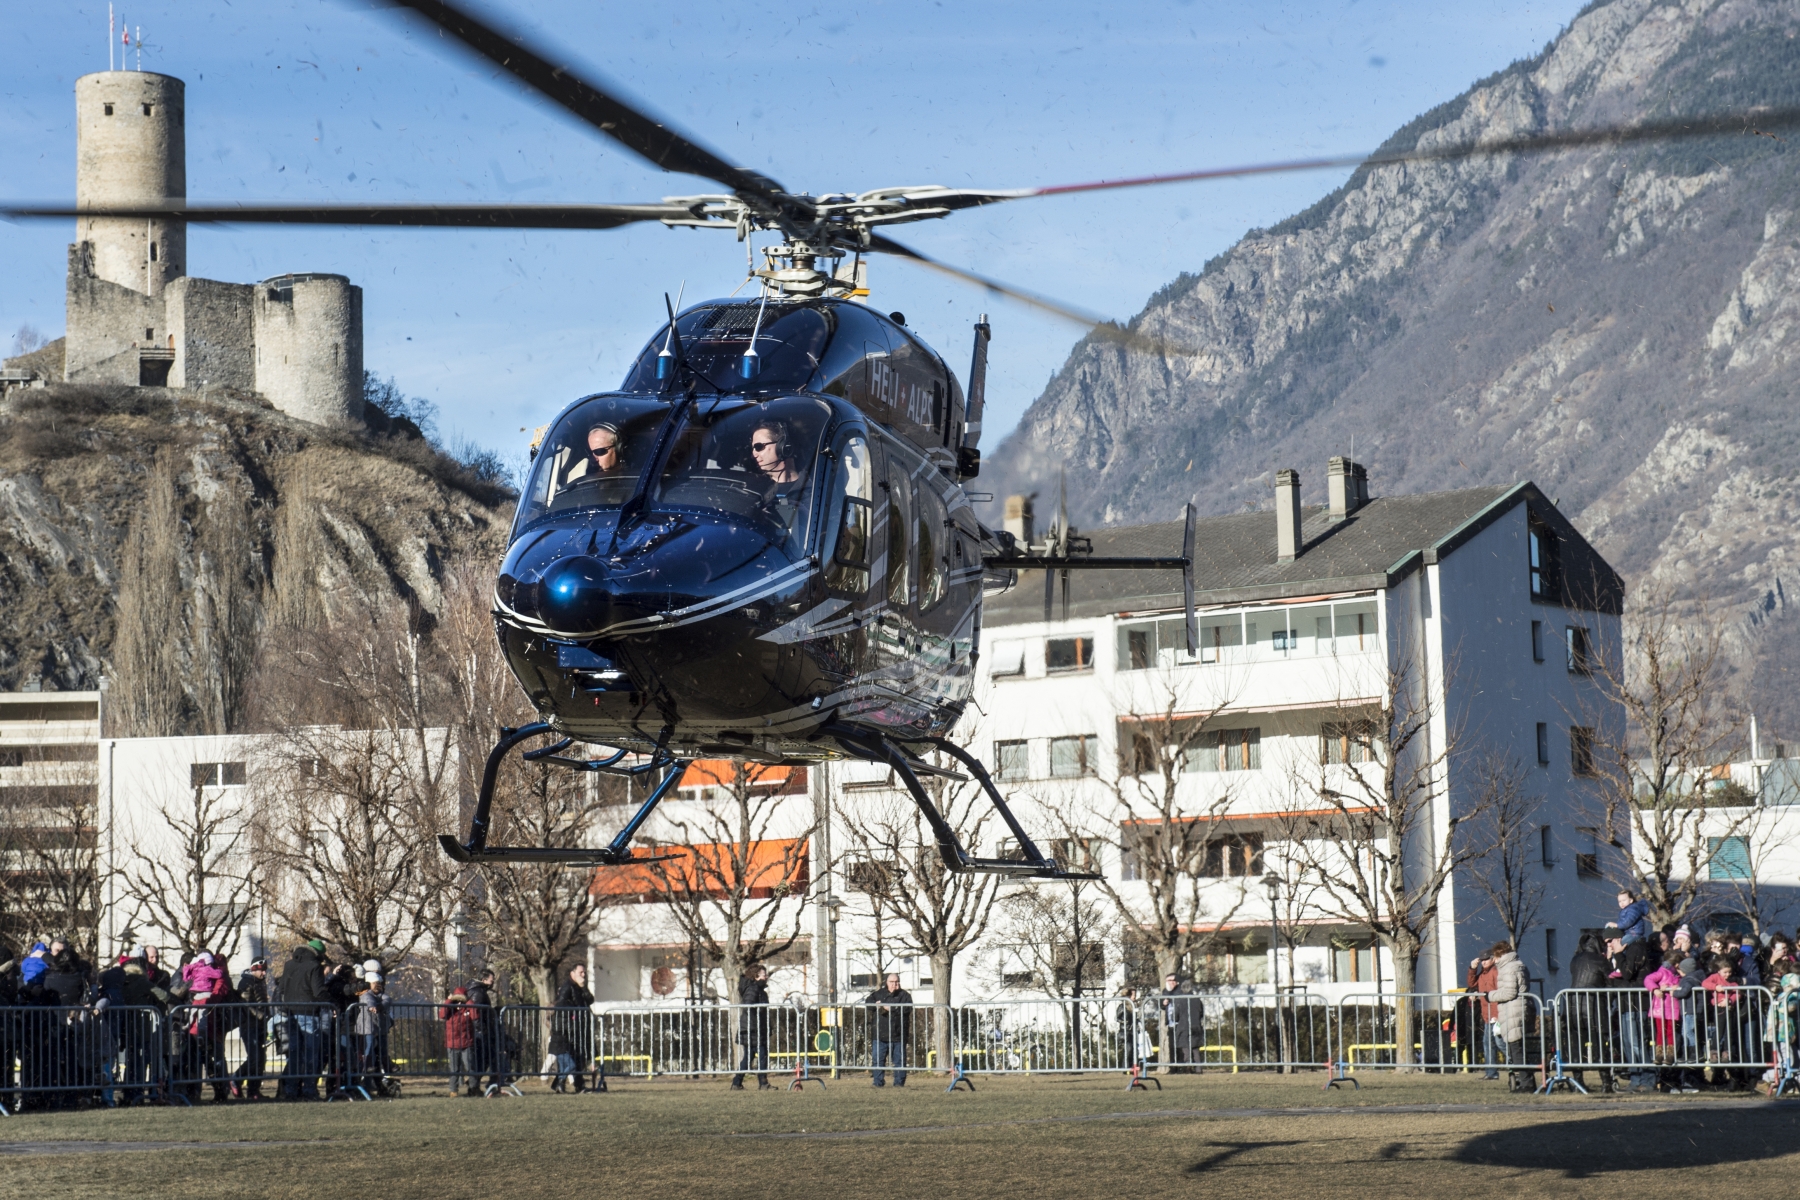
<point x="759" y="547"/>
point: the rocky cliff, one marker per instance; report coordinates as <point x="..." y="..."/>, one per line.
<point x="103" y="487"/>
<point x="1618" y="324"/>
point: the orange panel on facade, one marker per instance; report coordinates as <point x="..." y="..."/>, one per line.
<point x="711" y="869"/>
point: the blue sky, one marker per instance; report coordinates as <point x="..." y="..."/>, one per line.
<point x="320" y="100"/>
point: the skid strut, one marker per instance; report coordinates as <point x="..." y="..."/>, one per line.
<point x="875" y="747"/>
<point x="615" y="853"/>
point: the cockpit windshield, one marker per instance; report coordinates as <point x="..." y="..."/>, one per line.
<point x="593" y="458"/>
<point x="756" y="461"/>
<point x="714" y="338"/>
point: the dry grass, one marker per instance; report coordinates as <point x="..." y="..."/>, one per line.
<point x="1254" y="1136"/>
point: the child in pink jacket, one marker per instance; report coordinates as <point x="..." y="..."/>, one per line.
<point x="1665" y="1007"/>
<point x="203" y="977"/>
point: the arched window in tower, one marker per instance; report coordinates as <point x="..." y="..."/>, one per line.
<point x="152" y="251"/>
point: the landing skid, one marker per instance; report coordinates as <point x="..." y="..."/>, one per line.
<point x="876" y="747"/>
<point x="866" y="744"/>
<point x="615" y="853"/>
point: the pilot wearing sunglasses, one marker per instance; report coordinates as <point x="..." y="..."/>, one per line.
<point x="603" y="449"/>
<point x="787" y="481"/>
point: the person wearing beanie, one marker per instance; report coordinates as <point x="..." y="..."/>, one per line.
<point x="304" y="1001"/>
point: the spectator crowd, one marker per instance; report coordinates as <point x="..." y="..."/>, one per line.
<point x="1647" y="1008"/>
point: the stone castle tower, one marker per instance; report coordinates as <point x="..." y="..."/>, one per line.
<point x="135" y="316"/>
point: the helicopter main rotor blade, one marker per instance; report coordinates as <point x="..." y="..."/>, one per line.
<point x="1749" y="124"/>
<point x="463" y="216"/>
<point x="654" y="140"/>
<point x="1101" y="327"/>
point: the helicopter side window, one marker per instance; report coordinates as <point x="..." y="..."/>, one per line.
<point x="754" y="461"/>
<point x="899" y="553"/>
<point x="848" y="573"/>
<point x="593" y="457"/>
<point x="931" y="546"/>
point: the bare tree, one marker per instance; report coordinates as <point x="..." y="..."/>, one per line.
<point x="735" y="866"/>
<point x="51" y="883"/>
<point x="537" y="917"/>
<point x="1373" y="822"/>
<point x="231" y="601"/>
<point x="149" y="700"/>
<point x="188" y="870"/>
<point x="942" y="912"/>
<point x="1741" y="849"/>
<point x="1170" y="788"/>
<point x="1507" y="838"/>
<point x="1059" y="931"/>
<point x="350" y="812"/>
<point x="344" y="822"/>
<point x="1653" y="773"/>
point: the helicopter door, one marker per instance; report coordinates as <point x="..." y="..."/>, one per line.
<point x="892" y="641"/>
<point x="850" y="555"/>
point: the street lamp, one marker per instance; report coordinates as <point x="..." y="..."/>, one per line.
<point x="1272" y="885"/>
<point x="833" y="910"/>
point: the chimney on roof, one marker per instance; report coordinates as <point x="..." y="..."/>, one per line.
<point x="1348" y="484"/>
<point x="1287" y="515"/>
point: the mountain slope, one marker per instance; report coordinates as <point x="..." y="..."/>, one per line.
<point x="1616" y="324"/>
<point x="243" y="518"/>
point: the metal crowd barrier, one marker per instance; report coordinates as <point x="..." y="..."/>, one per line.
<point x="51" y="1057"/>
<point x="62" y="1057"/>
<point x="1635" y="1031"/>
<point x="1438" y="1032"/>
<point x="265" y="1050"/>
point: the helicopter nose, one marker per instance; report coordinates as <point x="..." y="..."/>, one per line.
<point x="574" y="597"/>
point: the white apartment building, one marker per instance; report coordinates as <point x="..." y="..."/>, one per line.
<point x="1487" y="598"/>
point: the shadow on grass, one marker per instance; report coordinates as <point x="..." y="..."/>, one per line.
<point x="1582" y="1149"/>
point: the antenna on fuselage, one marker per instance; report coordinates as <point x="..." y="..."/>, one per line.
<point x="666" y="361"/>
<point x="750" y="364"/>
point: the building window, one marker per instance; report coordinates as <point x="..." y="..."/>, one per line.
<point x="1009" y="660"/>
<point x="1140" y="648"/>
<point x="1581" y="751"/>
<point x="1581" y="659"/>
<point x="1352" y="963"/>
<point x="149" y="334"/>
<point x="152" y="251"/>
<point x="147" y="110"/>
<point x="1546" y="846"/>
<point x="1552" y="960"/>
<point x="1537" y="641"/>
<point x="1728" y="858"/>
<point x="1062" y="655"/>
<point x="1012" y="761"/>
<point x="1543" y="743"/>
<point x="1074" y="757"/>
<point x="1587" y="857"/>
<point x="1075" y="854"/>
<point x="229" y="774"/>
<point x="1226" y="750"/>
<point x="1546" y="564"/>
<point x="108" y="108"/>
<point x="1233" y="856"/>
<point x="1132" y="837"/>
<point x="871" y="876"/>
<point x="1347" y="742"/>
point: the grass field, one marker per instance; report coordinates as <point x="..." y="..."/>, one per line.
<point x="1249" y="1135"/>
